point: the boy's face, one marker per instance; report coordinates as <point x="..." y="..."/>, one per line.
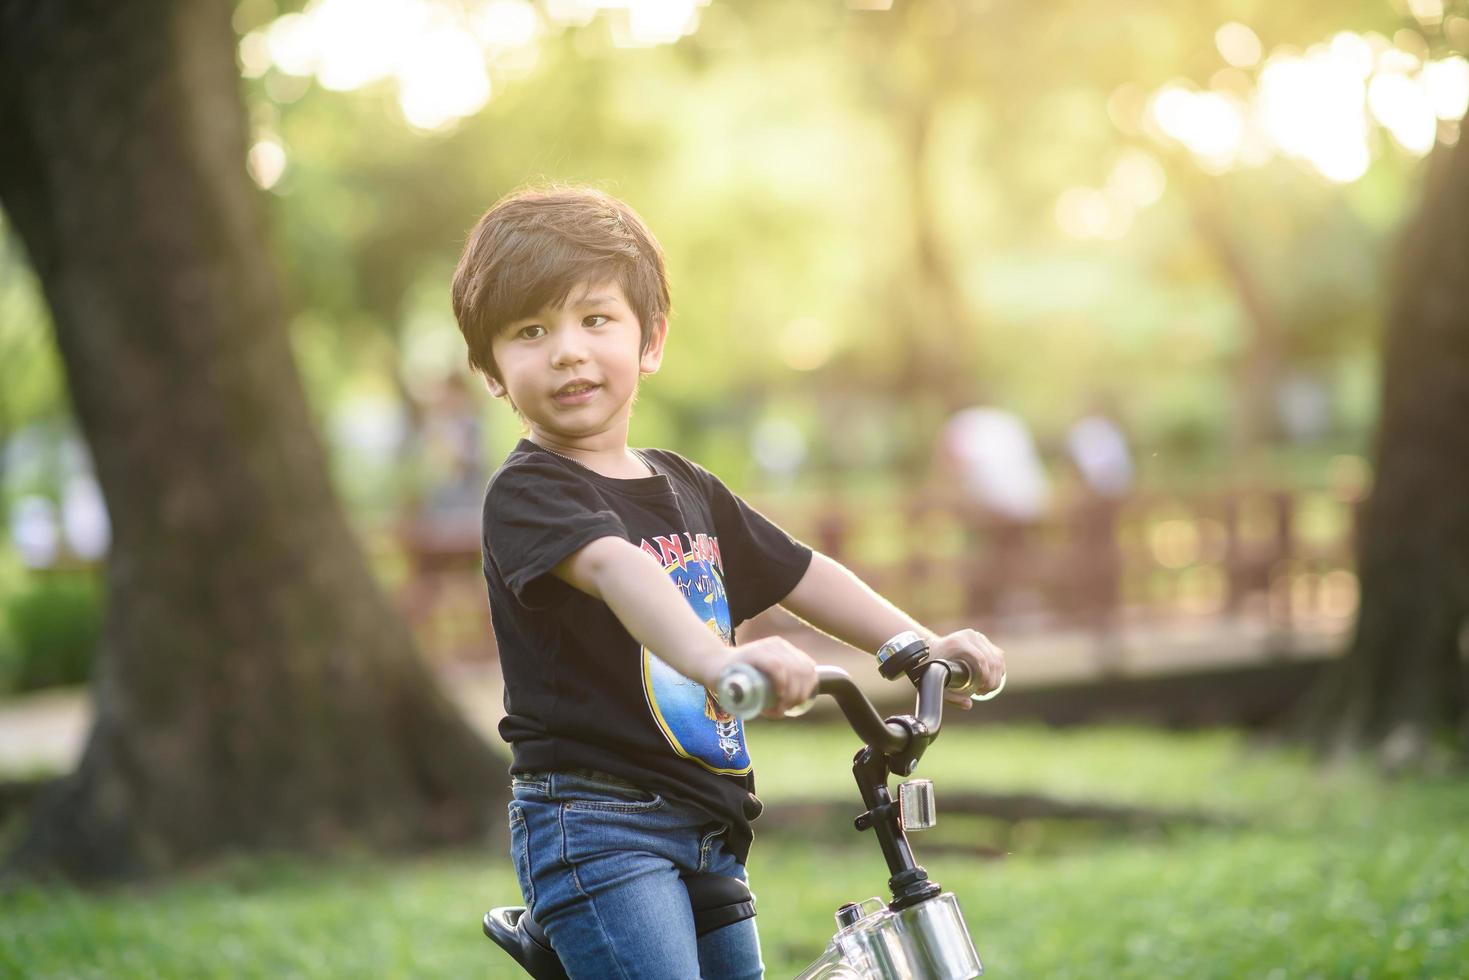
<point x="572" y="370"/>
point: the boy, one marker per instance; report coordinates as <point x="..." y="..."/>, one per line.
<point x="617" y="577"/>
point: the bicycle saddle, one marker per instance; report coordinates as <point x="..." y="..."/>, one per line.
<point x="517" y="933"/>
<point x="717" y="901"/>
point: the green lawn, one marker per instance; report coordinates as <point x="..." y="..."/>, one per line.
<point x="1319" y="875"/>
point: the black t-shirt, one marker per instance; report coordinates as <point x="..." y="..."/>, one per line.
<point x="580" y="692"/>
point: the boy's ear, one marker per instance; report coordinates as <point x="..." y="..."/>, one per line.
<point x="652" y="355"/>
<point x="496" y="388"/>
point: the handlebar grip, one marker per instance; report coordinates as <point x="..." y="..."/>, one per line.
<point x="743" y="691"/>
<point x="960" y="676"/>
<point x="962" y="681"/>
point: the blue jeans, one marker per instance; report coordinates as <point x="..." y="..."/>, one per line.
<point x="599" y="862"/>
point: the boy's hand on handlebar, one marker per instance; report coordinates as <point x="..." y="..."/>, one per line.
<point x="791" y="672"/>
<point x="986" y="662"/>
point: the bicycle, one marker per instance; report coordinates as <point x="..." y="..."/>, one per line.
<point x="920" y="934"/>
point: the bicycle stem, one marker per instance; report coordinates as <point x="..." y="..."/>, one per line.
<point x="894" y="745"/>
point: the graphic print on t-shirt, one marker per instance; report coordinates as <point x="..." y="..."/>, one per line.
<point x="691" y="719"/>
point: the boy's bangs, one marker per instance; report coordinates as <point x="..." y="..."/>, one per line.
<point x="544" y="277"/>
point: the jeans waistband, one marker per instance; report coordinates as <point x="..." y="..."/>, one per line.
<point x="576" y="775"/>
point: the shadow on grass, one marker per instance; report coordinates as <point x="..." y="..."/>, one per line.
<point x="996" y="824"/>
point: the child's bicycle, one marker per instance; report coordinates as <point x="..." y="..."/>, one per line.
<point x="920" y="934"/>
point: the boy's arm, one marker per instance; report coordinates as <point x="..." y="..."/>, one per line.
<point x="837" y="602"/>
<point x="651" y="608"/>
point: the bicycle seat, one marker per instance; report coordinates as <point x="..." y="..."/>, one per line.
<point x="717" y="901"/>
<point x="516" y="932"/>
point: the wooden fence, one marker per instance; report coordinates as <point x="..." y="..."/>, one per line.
<point x="1277" y="555"/>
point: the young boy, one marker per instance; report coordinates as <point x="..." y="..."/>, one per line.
<point x="617" y="577"/>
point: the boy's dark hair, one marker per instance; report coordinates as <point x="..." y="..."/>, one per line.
<point x="535" y="245"/>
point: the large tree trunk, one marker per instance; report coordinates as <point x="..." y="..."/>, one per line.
<point x="255" y="688"/>
<point x="1402" y="684"/>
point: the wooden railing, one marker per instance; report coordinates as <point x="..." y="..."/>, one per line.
<point x="1281" y="556"/>
<point x="1094" y="560"/>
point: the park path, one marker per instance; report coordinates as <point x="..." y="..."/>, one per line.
<point x="44" y="733"/>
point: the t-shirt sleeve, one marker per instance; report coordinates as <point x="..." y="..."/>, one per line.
<point x="537" y="514"/>
<point x="762" y="563"/>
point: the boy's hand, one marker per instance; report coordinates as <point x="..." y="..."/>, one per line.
<point x="792" y="673"/>
<point x="986" y="662"/>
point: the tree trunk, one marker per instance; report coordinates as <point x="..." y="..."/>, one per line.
<point x="942" y="334"/>
<point x="255" y="689"/>
<point x="1402" y="684"/>
<point x="1257" y="372"/>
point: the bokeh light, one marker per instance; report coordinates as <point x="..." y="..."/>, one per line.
<point x="1426" y="12"/>
<point x="1447" y="82"/>
<point x="1085" y="212"/>
<point x="1311" y="107"/>
<point x="1137" y="177"/>
<point x="266" y="162"/>
<point x="1318" y="106"/>
<point x="806" y="343"/>
<point x="1238" y="45"/>
<point x="443" y="79"/>
<point x="440" y="55"/>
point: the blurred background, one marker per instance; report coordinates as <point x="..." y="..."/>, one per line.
<point x="1063" y="321"/>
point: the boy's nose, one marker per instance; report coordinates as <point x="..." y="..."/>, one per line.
<point x="568" y="349"/>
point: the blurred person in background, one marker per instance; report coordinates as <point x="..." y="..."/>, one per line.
<point x="991" y="452"/>
<point x="991" y="456"/>
<point x="451" y="444"/>
<point x="1097" y="447"/>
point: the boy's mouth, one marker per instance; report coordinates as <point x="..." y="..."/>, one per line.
<point x="575" y="391"/>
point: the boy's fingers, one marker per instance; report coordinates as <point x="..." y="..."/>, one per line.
<point x="791" y="672"/>
<point x="784" y="683"/>
<point x="793" y="669"/>
<point x="990" y="659"/>
<point x="991" y="674"/>
<point x="777" y="679"/>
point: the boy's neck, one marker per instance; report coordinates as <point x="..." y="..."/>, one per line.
<point x="616" y="461"/>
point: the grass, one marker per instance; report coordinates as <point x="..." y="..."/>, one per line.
<point x="1378" y="894"/>
<point x="1334" y="874"/>
<point x="272" y="918"/>
<point x="1215" y="770"/>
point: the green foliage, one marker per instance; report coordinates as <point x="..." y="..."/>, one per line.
<point x="51" y="627"/>
<point x="898" y="217"/>
<point x="1323" y="874"/>
<point x="30" y="386"/>
<point x="787" y="219"/>
<point x="31" y="390"/>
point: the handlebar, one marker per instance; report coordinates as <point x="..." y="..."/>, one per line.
<point x="894" y="745"/>
<point x="885" y="736"/>
<point x="745" y="692"/>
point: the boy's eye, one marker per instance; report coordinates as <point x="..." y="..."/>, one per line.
<point x="531" y="332"/>
<point x="595" y="320"/>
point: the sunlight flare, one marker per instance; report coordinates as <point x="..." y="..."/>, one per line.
<point x="440" y="54"/>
